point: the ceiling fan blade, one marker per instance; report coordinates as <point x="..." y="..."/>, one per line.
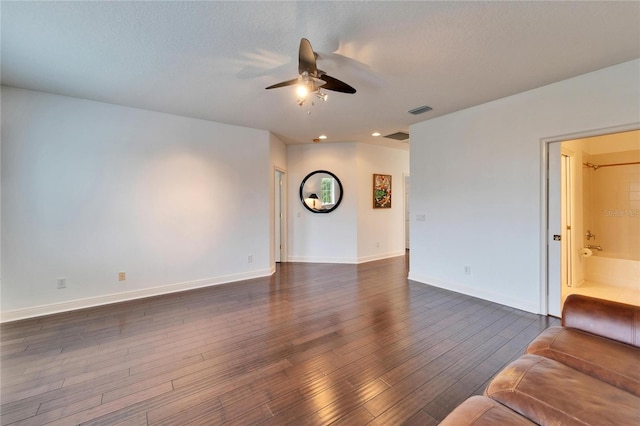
<point x="283" y="84"/>
<point x="307" y="59"/>
<point x="336" y="85"/>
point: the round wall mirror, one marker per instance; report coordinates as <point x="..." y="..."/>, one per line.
<point x="321" y="192"/>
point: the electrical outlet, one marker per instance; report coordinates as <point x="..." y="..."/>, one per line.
<point x="122" y="276"/>
<point x="421" y="218"/>
<point x="377" y="244"/>
<point x="250" y="259"/>
<point x="62" y="283"/>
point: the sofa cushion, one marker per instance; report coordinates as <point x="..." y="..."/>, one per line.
<point x="548" y="392"/>
<point x="608" y="360"/>
<point x="483" y="411"/>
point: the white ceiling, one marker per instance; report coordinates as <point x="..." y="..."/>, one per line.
<point x="213" y="60"/>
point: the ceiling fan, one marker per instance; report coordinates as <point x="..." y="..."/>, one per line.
<point x="312" y="79"/>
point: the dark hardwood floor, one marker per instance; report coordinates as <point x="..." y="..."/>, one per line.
<point x="313" y="344"/>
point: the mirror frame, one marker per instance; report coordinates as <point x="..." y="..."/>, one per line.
<point x="335" y="206"/>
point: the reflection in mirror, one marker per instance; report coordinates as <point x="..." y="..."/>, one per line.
<point x="321" y="191"/>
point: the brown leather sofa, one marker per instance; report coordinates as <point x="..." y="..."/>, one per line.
<point x="585" y="372"/>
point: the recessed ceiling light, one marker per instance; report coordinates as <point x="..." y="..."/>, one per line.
<point x="322" y="137"/>
<point x="375" y="134"/>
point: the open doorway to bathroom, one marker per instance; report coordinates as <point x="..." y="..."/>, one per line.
<point x="600" y="217"/>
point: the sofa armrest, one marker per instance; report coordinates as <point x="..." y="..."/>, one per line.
<point x="614" y="320"/>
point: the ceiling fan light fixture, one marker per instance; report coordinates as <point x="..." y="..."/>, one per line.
<point x="321" y="95"/>
<point x="375" y="134"/>
<point x="304" y="87"/>
<point x="302" y="91"/>
<point x="322" y="137"/>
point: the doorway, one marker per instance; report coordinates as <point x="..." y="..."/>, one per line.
<point x="606" y="261"/>
<point x="279" y="216"/>
<point x="592" y="239"/>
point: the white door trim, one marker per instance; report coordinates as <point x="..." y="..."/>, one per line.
<point x="407" y="206"/>
<point x="280" y="216"/>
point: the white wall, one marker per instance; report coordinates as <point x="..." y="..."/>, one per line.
<point x="476" y="176"/>
<point x="354" y="232"/>
<point x="380" y="231"/>
<point x="330" y="237"/>
<point x="90" y="189"/>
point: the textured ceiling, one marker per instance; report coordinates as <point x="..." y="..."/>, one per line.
<point x="212" y="60"/>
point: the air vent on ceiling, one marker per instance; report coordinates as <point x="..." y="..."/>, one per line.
<point x="399" y="136"/>
<point x="420" y="110"/>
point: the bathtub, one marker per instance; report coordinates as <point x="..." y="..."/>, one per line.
<point x="612" y="271"/>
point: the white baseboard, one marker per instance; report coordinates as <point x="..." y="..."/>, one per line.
<point x="72" y="305"/>
<point x="480" y="294"/>
<point x="345" y="260"/>
<point x="309" y="259"/>
<point x="380" y="256"/>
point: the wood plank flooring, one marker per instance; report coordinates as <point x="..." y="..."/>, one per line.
<point x="314" y="344"/>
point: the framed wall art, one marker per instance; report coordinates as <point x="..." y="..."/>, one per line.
<point x="381" y="191"/>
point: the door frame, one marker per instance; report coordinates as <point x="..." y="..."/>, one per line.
<point x="544" y="199"/>
<point x="280" y="216"/>
<point x="406" y="178"/>
<point x="568" y="241"/>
